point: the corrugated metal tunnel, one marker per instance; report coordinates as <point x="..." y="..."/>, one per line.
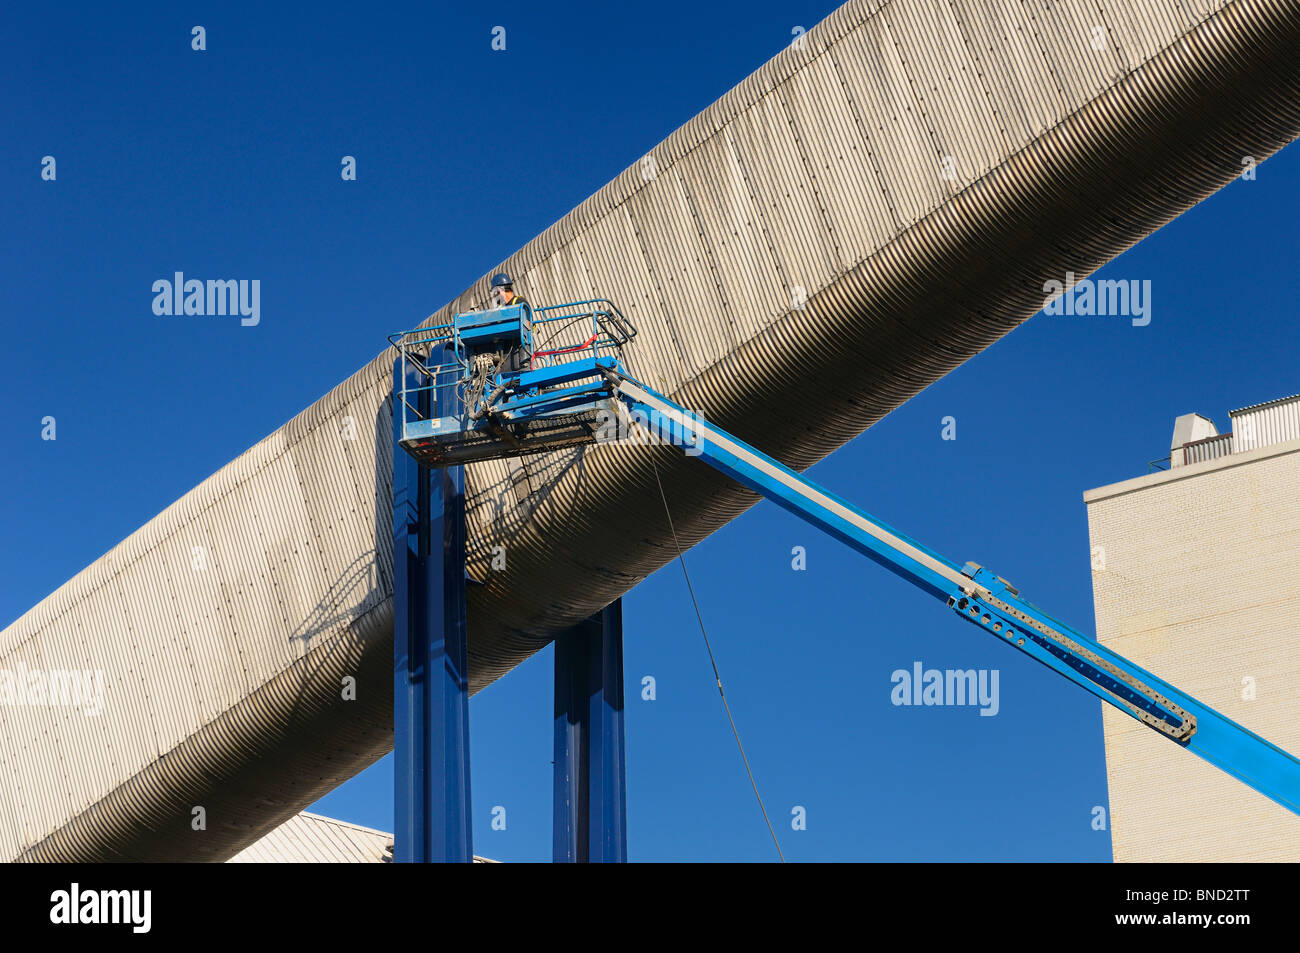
<point x="902" y="186"/>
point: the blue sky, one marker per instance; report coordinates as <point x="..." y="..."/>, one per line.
<point x="226" y="162"/>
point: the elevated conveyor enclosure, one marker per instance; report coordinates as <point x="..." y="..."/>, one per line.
<point x="906" y="182"/>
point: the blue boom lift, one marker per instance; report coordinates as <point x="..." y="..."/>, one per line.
<point x="478" y="388"/>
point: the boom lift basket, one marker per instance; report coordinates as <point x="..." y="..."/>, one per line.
<point x="508" y="382"/>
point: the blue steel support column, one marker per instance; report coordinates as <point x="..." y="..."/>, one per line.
<point x="590" y="797"/>
<point x="430" y="670"/>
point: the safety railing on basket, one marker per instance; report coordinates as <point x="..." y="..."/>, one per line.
<point x="578" y="329"/>
<point x="436" y="357"/>
<point x="431" y="354"/>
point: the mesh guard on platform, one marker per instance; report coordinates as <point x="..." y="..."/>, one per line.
<point x="496" y="439"/>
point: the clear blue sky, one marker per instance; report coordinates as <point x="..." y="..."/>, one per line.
<point x="226" y="163"/>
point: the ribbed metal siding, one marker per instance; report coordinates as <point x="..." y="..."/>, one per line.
<point x="821" y="171"/>
<point x="1211" y="448"/>
<point x="1263" y="425"/>
<point x="312" y="839"/>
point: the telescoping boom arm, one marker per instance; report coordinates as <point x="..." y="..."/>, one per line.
<point x="986" y="600"/>
<point x="587" y="397"/>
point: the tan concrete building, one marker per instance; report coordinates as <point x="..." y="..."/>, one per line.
<point x="879" y="202"/>
<point x="1196" y="577"/>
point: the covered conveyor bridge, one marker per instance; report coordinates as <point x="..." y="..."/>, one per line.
<point x="903" y="183"/>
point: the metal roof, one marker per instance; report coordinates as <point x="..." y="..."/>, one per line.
<point x="313" y="839"/>
<point x="1268" y="403"/>
<point x="870" y="208"/>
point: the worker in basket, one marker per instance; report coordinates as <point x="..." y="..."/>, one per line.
<point x="503" y="292"/>
<point x="503" y="296"/>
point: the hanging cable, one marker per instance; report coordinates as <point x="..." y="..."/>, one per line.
<point x="712" y="661"/>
